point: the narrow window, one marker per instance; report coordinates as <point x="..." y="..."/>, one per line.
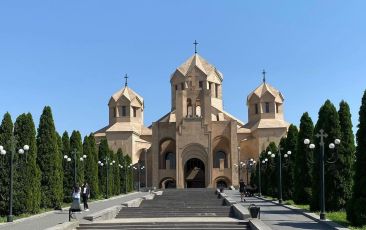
<point x="134" y="112"/>
<point x="114" y="111"/>
<point x="124" y="111"/>
<point x="256" y="108"/>
<point x="200" y="84"/>
<point x="216" y="90"/>
<point x="267" y="107"/>
<point x="276" y="107"/>
<point x="176" y="87"/>
<point x="182" y="86"/>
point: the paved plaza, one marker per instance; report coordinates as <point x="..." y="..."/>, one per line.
<point x="50" y="219"/>
<point x="279" y="217"/>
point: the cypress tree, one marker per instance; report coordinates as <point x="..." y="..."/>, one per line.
<point x="6" y="134"/>
<point x="116" y="175"/>
<point x="123" y="171"/>
<point x="130" y="182"/>
<point x="356" y="208"/>
<point x="288" y="172"/>
<point x="49" y="161"/>
<point x="27" y="190"/>
<point x="303" y="162"/>
<point x="91" y="166"/>
<point x="328" y="121"/>
<point x="346" y="154"/>
<point x="67" y="166"/>
<point x="111" y="175"/>
<point x="77" y="146"/>
<point x="270" y="171"/>
<point x="103" y="152"/>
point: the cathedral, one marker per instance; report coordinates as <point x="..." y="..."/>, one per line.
<point x="197" y="143"/>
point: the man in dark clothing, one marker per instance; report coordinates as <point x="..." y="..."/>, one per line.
<point x="85" y="193"/>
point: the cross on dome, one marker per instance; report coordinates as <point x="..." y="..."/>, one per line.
<point x="126" y="78"/>
<point x="195" y="46"/>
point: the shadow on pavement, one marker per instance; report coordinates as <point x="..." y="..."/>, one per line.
<point x="304" y="225"/>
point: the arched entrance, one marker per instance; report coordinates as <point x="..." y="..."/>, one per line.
<point x="194" y="173"/>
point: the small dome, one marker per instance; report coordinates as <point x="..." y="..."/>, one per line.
<point x="129" y="94"/>
<point x="265" y="88"/>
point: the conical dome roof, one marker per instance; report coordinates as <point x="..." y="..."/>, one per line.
<point x="129" y="94"/>
<point x="265" y="88"/>
<point x="196" y="61"/>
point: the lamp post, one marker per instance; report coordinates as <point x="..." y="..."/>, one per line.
<point x="238" y="165"/>
<point x="286" y="155"/>
<point x="322" y="159"/>
<point x="145" y="165"/>
<point x="68" y="159"/>
<point x="249" y="167"/>
<point x="107" y="162"/>
<point x="21" y="151"/>
<point x="138" y="169"/>
<point x="260" y="162"/>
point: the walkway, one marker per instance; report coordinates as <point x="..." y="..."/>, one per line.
<point x="279" y="217"/>
<point x="46" y="220"/>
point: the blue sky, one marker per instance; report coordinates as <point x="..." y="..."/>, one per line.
<point x="72" y="55"/>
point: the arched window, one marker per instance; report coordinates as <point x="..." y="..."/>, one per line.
<point x="218" y="156"/>
<point x="171" y="157"/>
<point x="198" y="108"/>
<point x="189" y="108"/>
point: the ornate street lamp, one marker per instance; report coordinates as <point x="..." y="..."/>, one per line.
<point x="331" y="160"/>
<point x="21" y="151"/>
<point x="107" y="162"/>
<point x="68" y="159"/>
<point x="280" y="165"/>
<point x="138" y="168"/>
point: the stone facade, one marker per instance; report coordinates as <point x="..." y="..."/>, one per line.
<point x="196" y="143"/>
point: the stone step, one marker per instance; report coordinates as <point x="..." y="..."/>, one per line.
<point x="167" y="225"/>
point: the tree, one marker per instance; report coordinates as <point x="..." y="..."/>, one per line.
<point x="27" y="190"/>
<point x="91" y="166"/>
<point x="103" y="152"/>
<point x="270" y="181"/>
<point x="49" y="161"/>
<point x="77" y="146"/>
<point x="6" y="134"/>
<point x="288" y="172"/>
<point x="346" y="154"/>
<point x="356" y="208"/>
<point x="116" y="175"/>
<point x="328" y="121"/>
<point x="130" y="185"/>
<point x="67" y="166"/>
<point x="303" y="159"/>
<point x="123" y="171"/>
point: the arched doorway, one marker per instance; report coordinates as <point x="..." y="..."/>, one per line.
<point x="221" y="184"/>
<point x="194" y="173"/>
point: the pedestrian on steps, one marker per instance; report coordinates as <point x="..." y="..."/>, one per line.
<point x="85" y="194"/>
<point x="242" y="190"/>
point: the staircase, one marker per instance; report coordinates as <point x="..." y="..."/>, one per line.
<point x="176" y="209"/>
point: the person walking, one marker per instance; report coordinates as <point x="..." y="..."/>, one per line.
<point x="85" y="194"/>
<point x="242" y="190"/>
<point x="75" y="206"/>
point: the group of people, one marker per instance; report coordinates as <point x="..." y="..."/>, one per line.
<point x="246" y="190"/>
<point x="84" y="193"/>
